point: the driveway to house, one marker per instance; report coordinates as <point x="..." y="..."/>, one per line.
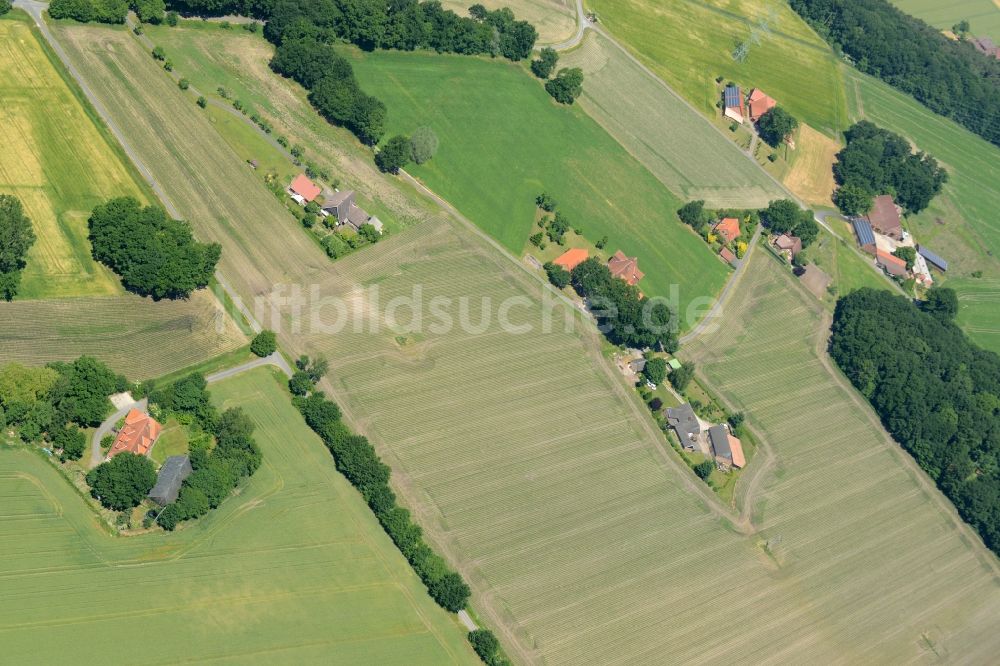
<point x="275" y="359"/>
<point x="105" y="429"/>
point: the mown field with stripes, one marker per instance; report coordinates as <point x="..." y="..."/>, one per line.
<point x="293" y="569"/>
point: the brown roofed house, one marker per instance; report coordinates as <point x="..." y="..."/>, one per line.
<point x="786" y="243"/>
<point x="304" y="187"/>
<point x="137" y="435"/>
<point x="759" y="104"/>
<point x="727" y="255"/>
<point x="571" y="258"/>
<point x="884" y="217"/>
<point x="625" y="268"/>
<point x="892" y="264"/>
<point x="728" y="228"/>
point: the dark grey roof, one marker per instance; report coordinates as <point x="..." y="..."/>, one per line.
<point x="356" y="216"/>
<point x="720" y="441"/>
<point x="932" y="257"/>
<point x="169" y="479"/>
<point x="864" y="232"/>
<point x="685" y="423"/>
<point x="732" y="97"/>
<point x="638" y="365"/>
<point x="336" y="198"/>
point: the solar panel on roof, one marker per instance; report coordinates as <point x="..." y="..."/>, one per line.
<point x="732" y="96"/>
<point x="864" y="232"/>
<point x="932" y="257"/>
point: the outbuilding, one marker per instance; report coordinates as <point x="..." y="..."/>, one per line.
<point x="169" y="479"/>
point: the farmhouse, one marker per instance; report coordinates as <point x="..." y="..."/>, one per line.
<point x="728" y="450"/>
<point x="625" y="268"/>
<point x="884" y="217"/>
<point x="790" y="244"/>
<point x="866" y="237"/>
<point x="727" y="255"/>
<point x="303" y="190"/>
<point x="571" y="258"/>
<point x="169" y="479"/>
<point x="137" y="435"/>
<point x="728" y="229"/>
<point x="341" y="205"/>
<point x="932" y="258"/>
<point x="685" y="423"/>
<point x="890" y="263"/>
<point x="733" y="103"/>
<point x="759" y="104"/>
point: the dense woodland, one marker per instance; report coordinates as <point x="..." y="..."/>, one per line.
<point x="16" y="238"/>
<point x="623" y="315"/>
<point x="935" y="391"/>
<point x="950" y="78"/>
<point x="53" y="403"/>
<point x="876" y="161"/>
<point x="153" y="254"/>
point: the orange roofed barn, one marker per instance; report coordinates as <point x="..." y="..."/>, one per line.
<point x="570" y="259"/>
<point x="759" y="104"/>
<point x="137" y="435"/>
<point x="625" y="268"/>
<point x="728" y="228"/>
<point x="304" y="187"/>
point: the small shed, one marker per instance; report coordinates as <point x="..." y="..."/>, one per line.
<point x="866" y="237"/>
<point x="169" y="479"/>
<point x="727" y="255"/>
<point x="932" y="258"/>
<point x="732" y="100"/>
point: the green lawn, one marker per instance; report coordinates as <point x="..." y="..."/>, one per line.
<point x="173" y="441"/>
<point x="983" y="15"/>
<point x="689" y="43"/>
<point x="503" y="141"/>
<point x="961" y="224"/>
<point x="849" y="270"/>
<point x="293" y="569"/>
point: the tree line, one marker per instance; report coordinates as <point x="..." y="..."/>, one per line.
<point x="153" y="254"/>
<point x="357" y="460"/>
<point x="950" y="78"/>
<point x="218" y="468"/>
<point x="935" y="391"/>
<point x="53" y="403"/>
<point x="16" y="238"/>
<point x="877" y="161"/>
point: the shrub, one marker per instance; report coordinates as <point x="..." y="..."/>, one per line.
<point x="202" y="102"/>
<point x="5" y="6"/>
<point x="183" y="84"/>
<point x="682" y="376"/>
<point x="704" y="469"/>
<point x="423" y="144"/>
<point x="558" y="275"/>
<point x="264" y="343"/>
<point x="172" y="19"/>
<point x="487" y="647"/>
<point x="158" y="53"/>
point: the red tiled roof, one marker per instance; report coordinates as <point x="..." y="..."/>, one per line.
<point x="890" y="262"/>
<point x="571" y="258"/>
<point x="760" y="104"/>
<point x="728" y="228"/>
<point x="736" y="446"/>
<point x="625" y="268"/>
<point x="137" y="435"/>
<point x="304" y="187"/>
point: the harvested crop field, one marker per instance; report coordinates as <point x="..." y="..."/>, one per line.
<point x="811" y="175"/>
<point x="136" y="336"/>
<point x="59" y="163"/>
<point x="293" y="569"/>
<point x="689" y="155"/>
<point x="555" y="20"/>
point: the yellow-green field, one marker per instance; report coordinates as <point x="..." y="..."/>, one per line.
<point x="293" y="569"/>
<point x="555" y="20"/>
<point x="136" y="336"/>
<point x="983" y="15"/>
<point x="688" y="43"/>
<point x="58" y="163"/>
<point x="686" y="153"/>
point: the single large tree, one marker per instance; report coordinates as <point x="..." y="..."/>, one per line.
<point x="567" y="85"/>
<point x="16" y="237"/>
<point x="394" y="155"/>
<point x="775" y="125"/>
<point x="122" y="482"/>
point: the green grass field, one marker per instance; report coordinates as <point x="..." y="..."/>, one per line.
<point x="848" y="269"/>
<point x="293" y="569"/>
<point x="677" y="145"/>
<point x="689" y="42"/>
<point x="983" y="15"/>
<point x="136" y="336"/>
<point x="503" y="141"/>
<point x="961" y="224"/>
<point x="57" y="161"/>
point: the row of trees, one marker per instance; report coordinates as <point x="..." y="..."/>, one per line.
<point x="935" y="391"/>
<point x="623" y="315"/>
<point x="54" y="402"/>
<point x="217" y="469"/>
<point x="16" y="238"/>
<point x="153" y="254"/>
<point x="877" y="161"/>
<point x="101" y="11"/>
<point x="950" y="78"/>
<point x="357" y="460"/>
